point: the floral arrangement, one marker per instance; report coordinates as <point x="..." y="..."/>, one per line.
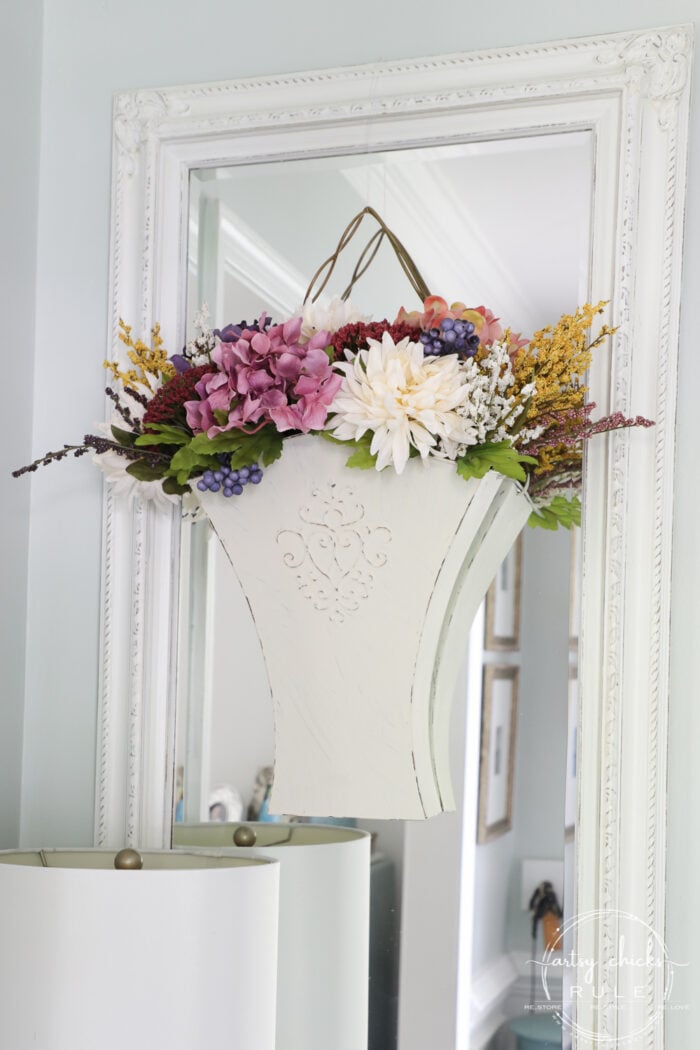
<point x="445" y="382"/>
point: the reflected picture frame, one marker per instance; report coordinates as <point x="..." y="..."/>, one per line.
<point x="571" y="786"/>
<point x="575" y="589"/>
<point x="499" y="716"/>
<point x="503" y="600"/>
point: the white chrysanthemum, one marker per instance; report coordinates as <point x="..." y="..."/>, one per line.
<point x="325" y="316"/>
<point x="405" y="399"/>
<point x="114" y="467"/>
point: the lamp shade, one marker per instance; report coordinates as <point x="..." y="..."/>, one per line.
<point x="323" y="967"/>
<point x="179" y="955"/>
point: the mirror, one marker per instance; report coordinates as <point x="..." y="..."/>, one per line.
<point x="618" y="92"/>
<point x="520" y="247"/>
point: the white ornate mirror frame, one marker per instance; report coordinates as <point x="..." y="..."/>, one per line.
<point x="631" y="91"/>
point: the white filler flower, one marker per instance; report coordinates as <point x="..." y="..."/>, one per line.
<point x="328" y="316"/>
<point x="404" y="398"/>
<point x="488" y="411"/>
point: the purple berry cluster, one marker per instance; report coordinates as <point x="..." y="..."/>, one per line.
<point x="452" y="337"/>
<point x="230" y="482"/>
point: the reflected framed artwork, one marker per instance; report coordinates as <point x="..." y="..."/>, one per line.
<point x="497" y="764"/>
<point x="570" y="789"/>
<point x="503" y="603"/>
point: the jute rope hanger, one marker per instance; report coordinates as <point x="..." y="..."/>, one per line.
<point x="366" y="258"/>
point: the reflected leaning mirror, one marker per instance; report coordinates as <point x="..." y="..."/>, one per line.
<point x="476" y="217"/>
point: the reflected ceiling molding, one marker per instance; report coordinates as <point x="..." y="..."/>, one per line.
<point x="415" y="199"/>
<point x="253" y="263"/>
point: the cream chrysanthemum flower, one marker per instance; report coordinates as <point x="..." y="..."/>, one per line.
<point x="405" y="399"/>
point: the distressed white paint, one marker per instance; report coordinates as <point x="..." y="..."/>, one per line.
<point x="353" y="578"/>
<point x="631" y="90"/>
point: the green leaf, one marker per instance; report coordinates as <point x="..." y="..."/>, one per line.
<point x="165" y="435"/>
<point x="560" y="511"/>
<point x="124" y="437"/>
<point x="361" y="457"/>
<point x="542" y="518"/>
<point x="169" y="428"/>
<point x="269" y="442"/>
<point x="330" y="351"/>
<point x="245" y="449"/>
<point x="174" y="488"/>
<point x="187" y="460"/>
<point x="221" y="416"/>
<point x="142" y="470"/>
<point x="499" y="456"/>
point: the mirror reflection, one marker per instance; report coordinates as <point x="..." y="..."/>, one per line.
<point x="504" y="224"/>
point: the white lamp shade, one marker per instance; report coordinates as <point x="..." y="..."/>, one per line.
<point x="180" y="955"/>
<point x="323" y="970"/>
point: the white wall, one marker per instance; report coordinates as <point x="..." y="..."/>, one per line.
<point x="20" y="83"/>
<point x="91" y="48"/>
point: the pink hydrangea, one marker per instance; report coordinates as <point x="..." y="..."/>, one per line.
<point x="263" y="377"/>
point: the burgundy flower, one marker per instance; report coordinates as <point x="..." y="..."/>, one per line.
<point x="166" y="404"/>
<point x="354" y="336"/>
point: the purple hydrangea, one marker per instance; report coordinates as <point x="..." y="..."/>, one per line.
<point x="266" y="376"/>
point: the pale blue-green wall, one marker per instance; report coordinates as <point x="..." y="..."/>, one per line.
<point x="20" y="82"/>
<point x="540" y="750"/>
<point x="94" y="47"/>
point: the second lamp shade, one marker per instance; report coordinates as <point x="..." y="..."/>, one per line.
<point x="323" y="969"/>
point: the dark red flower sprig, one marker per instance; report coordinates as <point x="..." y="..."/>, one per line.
<point x="166" y="405"/>
<point x="355" y="336"/>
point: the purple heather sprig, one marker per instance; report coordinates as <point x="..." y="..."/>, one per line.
<point x="571" y="426"/>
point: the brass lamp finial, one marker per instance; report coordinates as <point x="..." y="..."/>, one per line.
<point x="244" y="836"/>
<point x="128" y="860"/>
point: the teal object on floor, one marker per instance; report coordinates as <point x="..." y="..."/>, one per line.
<point x="537" y="1032"/>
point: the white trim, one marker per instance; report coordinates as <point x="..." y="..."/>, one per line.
<point x="500" y="991"/>
<point x="632" y="91"/>
<point x="491" y="988"/>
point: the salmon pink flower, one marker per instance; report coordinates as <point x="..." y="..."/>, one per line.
<point x="435" y="310"/>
